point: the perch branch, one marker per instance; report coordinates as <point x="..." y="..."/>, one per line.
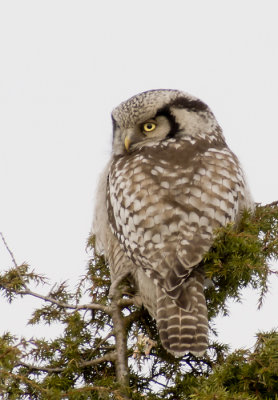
<point x="120" y="336"/>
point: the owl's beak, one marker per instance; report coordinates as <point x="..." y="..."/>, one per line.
<point x="127" y="143"/>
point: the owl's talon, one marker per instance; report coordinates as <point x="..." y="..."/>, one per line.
<point x="113" y="291"/>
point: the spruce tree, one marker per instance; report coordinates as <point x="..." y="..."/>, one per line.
<point x="110" y="348"/>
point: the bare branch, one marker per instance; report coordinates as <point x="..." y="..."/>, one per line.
<point x="108" y="357"/>
<point x="32" y="367"/>
<point x="9" y="250"/>
<point x="91" y="306"/>
<point x="13" y="260"/>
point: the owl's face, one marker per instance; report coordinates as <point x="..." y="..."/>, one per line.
<point x="158" y="115"/>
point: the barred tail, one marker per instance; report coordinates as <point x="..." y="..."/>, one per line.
<point x="184" y="327"/>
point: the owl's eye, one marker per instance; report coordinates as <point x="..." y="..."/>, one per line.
<point x="149" y="127"/>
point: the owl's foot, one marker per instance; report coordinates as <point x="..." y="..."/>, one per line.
<point x="113" y="291"/>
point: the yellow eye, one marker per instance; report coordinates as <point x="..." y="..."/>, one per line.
<point x="149" y="127"/>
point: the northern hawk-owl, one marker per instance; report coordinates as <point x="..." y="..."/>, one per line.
<point x="171" y="181"/>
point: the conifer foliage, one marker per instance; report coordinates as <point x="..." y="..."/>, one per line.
<point x="109" y="347"/>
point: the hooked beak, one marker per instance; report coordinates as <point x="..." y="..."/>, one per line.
<point x="127" y="143"/>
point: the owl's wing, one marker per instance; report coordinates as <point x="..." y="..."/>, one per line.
<point x="164" y="214"/>
<point x="106" y="243"/>
<point x="100" y="225"/>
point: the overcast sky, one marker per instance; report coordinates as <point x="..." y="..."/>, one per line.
<point x="65" y="64"/>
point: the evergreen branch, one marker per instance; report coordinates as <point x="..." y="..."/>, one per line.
<point x="116" y="393"/>
<point x="108" y="357"/>
<point x="89" y="306"/>
<point x="129" y="319"/>
<point x="102" y="341"/>
<point x="32" y="367"/>
<point x="273" y="204"/>
<point x="27" y="291"/>
<point x="13" y="260"/>
<point x="158" y="383"/>
<point x="48" y="392"/>
<point x="82" y="362"/>
<point x="25" y="380"/>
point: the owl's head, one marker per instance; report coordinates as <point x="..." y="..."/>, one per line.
<point x="158" y="115"/>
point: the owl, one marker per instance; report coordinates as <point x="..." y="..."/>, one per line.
<point x="170" y="182"/>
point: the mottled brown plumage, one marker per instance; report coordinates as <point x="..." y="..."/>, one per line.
<point x="161" y="197"/>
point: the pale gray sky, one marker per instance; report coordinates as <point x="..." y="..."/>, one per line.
<point x="65" y="64"/>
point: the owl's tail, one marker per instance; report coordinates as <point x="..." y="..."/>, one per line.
<point x="184" y="329"/>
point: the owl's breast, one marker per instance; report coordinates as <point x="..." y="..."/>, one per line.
<point x="163" y="197"/>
